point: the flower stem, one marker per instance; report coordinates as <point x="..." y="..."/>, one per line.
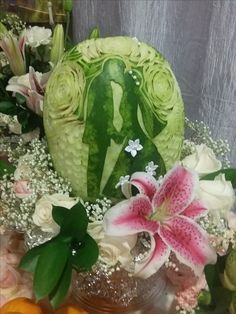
<point x="67" y="26"/>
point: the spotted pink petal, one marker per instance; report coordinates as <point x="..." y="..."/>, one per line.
<point x="158" y="256"/>
<point x="144" y="182"/>
<point x="189" y="242"/>
<point x="129" y="217"/>
<point x="195" y="210"/>
<point x="177" y="191"/>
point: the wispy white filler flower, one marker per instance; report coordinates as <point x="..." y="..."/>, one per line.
<point x="122" y="181"/>
<point x="133" y="147"/>
<point x="150" y="168"/>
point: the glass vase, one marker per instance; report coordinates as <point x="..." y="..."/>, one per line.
<point x="104" y="291"/>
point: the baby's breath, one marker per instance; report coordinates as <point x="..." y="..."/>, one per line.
<point x="43" y="179"/>
<point x="97" y="210"/>
<point x="200" y="133"/>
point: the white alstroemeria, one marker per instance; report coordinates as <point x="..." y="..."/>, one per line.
<point x="36" y="36"/>
<point x="133" y="147"/>
<point x="122" y="181"/>
<point x="150" y="168"/>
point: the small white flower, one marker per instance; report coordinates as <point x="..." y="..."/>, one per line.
<point x="150" y="168"/>
<point x="133" y="147"/>
<point x="122" y="181"/>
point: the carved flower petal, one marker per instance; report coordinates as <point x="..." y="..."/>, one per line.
<point x="158" y="256"/>
<point x="177" y="191"/>
<point x="189" y="242"/>
<point x="195" y="210"/>
<point x="129" y="217"/>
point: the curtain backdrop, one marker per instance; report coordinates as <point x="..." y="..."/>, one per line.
<point x="198" y="37"/>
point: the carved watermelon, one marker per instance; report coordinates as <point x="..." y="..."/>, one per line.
<point x="102" y="94"/>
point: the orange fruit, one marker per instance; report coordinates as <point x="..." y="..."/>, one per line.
<point x="21" y="306"/>
<point x="70" y="309"/>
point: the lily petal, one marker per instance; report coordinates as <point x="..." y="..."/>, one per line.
<point x="144" y="182"/>
<point x="189" y="242"/>
<point x="177" y="191"/>
<point x="129" y="217"/>
<point x="158" y="256"/>
<point x="195" y="210"/>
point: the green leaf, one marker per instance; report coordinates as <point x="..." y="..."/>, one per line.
<point x="9" y="108"/>
<point x="76" y="222"/>
<point x="59" y="214"/>
<point x="60" y="292"/>
<point x="20" y="99"/>
<point x="28" y="120"/>
<point x="230" y="175"/>
<point x="212" y="277"/>
<point x="222" y="299"/>
<point x="86" y="255"/>
<point x="30" y="259"/>
<point x="50" y="266"/>
<point x="6" y="168"/>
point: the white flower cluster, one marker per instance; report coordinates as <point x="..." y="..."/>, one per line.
<point x="97" y="210"/>
<point x="13" y="23"/>
<point x="33" y="178"/>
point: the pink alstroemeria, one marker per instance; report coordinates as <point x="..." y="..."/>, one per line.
<point x="14" y="50"/>
<point x="167" y="212"/>
<point x="31" y="86"/>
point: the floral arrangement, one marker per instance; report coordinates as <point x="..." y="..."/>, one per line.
<point x="95" y="170"/>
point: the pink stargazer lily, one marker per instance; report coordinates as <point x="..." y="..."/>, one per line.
<point x="167" y="212"/>
<point x="31" y="86"/>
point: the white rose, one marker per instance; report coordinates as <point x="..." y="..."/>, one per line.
<point x="36" y="36"/>
<point x="42" y="216"/>
<point x="203" y="160"/>
<point x="112" y="249"/>
<point x="95" y="230"/>
<point x="218" y="195"/>
<point x="117" y="249"/>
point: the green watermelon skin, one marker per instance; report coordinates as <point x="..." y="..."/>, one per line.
<point x="103" y="93"/>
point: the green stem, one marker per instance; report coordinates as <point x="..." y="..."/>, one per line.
<point x="67" y="26"/>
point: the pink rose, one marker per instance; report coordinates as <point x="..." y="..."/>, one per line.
<point x="13" y="282"/>
<point x="9" y="277"/>
<point x="21" y="189"/>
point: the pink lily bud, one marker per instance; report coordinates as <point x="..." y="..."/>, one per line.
<point x="14" y="51"/>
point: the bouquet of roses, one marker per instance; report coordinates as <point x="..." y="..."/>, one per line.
<point x="95" y="169"/>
